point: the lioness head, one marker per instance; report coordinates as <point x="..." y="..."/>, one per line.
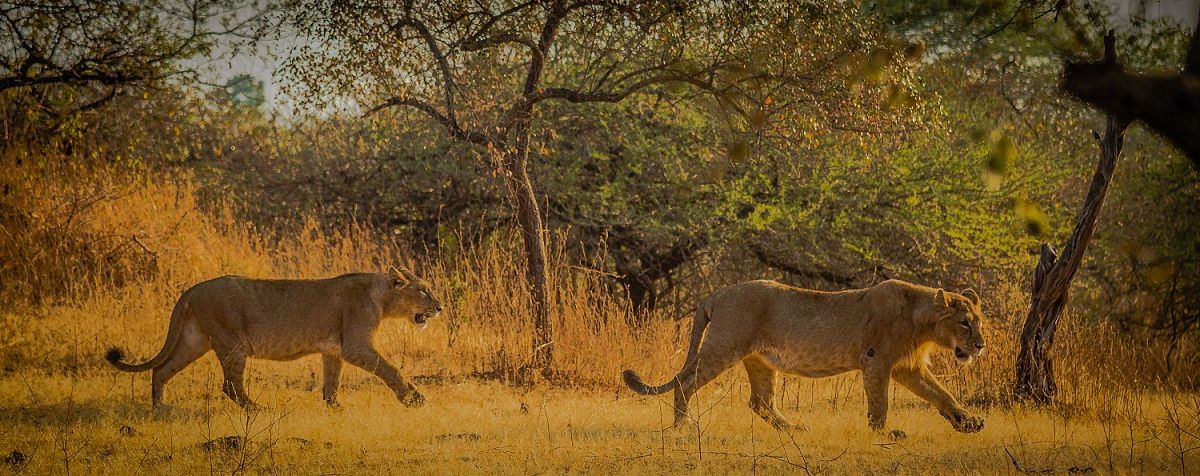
<point x="412" y="296"/>
<point x="957" y="326"/>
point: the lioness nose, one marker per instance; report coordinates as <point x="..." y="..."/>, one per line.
<point x="438" y="308"/>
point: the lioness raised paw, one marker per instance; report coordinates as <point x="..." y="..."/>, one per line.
<point x="970" y="424"/>
<point x="413" y="399"/>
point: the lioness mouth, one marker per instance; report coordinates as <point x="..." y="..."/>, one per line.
<point x="420" y="318"/>
<point x="960" y="354"/>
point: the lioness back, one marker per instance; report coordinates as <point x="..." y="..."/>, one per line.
<point x="282" y="319"/>
<point x="803" y="331"/>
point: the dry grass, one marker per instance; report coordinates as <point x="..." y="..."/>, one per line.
<point x="90" y="262"/>
<point x="101" y="423"/>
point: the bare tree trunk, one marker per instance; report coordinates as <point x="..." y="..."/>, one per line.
<point x="1053" y="275"/>
<point x="529" y="217"/>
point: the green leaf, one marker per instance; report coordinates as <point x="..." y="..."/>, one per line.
<point x="1002" y="156"/>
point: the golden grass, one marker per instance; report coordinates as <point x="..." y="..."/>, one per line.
<point x="101" y="424"/>
<point x="86" y="273"/>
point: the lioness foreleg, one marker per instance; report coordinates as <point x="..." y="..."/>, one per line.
<point x="875" y="382"/>
<point x="333" y="371"/>
<point x="367" y="358"/>
<point x="922" y="383"/>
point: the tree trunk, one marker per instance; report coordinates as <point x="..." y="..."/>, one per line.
<point x="529" y="217"/>
<point x="1053" y="275"/>
<point x="643" y="297"/>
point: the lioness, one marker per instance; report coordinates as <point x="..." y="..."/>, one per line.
<point x="887" y="331"/>
<point x="285" y="319"/>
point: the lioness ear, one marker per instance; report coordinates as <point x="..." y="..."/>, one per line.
<point x="398" y="278"/>
<point x="941" y="298"/>
<point x="403" y="271"/>
<point x="972" y="296"/>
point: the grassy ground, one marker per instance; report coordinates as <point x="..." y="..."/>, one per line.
<point x="101" y="423"/>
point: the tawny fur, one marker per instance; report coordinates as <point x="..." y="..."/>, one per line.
<point x="284" y="319"/>
<point x="885" y="331"/>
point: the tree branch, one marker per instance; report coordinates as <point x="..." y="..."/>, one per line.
<point x="75" y="77"/>
<point x="616" y="95"/>
<point x="537" y="61"/>
<point x="1168" y="104"/>
<point x="491" y="21"/>
<point x="829" y="276"/>
<point x="439" y="57"/>
<point x="496" y="40"/>
<point x="453" y="127"/>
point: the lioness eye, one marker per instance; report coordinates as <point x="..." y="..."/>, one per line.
<point x="965" y="324"/>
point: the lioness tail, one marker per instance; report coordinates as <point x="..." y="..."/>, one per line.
<point x="636" y="384"/>
<point x="116" y="356"/>
<point x="699" y="323"/>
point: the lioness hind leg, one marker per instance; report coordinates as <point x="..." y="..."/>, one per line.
<point x="710" y="362"/>
<point x="762" y="392"/>
<point x="191" y="346"/>
<point x="233" y="367"/>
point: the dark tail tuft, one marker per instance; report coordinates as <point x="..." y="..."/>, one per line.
<point x="114" y="355"/>
<point x="635" y="383"/>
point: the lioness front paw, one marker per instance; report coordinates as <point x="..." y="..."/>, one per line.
<point x="413" y="399"/>
<point x="969" y="424"/>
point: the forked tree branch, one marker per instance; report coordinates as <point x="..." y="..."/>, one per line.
<point x="537" y="60"/>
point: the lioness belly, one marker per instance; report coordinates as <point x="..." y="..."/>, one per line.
<point x="807" y="364"/>
<point x="281" y="351"/>
<point x="293" y="345"/>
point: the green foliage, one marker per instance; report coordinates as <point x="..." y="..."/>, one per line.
<point x="61" y="59"/>
<point x="245" y="90"/>
<point x="1002" y="156"/>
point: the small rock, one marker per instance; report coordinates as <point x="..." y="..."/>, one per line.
<point x="458" y="436"/>
<point x="16" y="458"/>
<point x="897" y="435"/>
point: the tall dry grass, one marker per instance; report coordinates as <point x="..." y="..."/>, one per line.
<point x="97" y="256"/>
<point x="93" y="260"/>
